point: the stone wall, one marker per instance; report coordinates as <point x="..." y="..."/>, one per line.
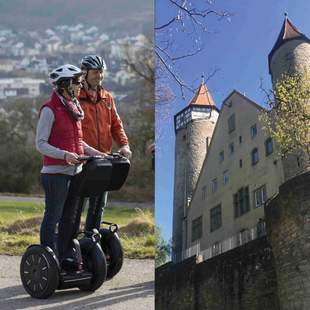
<point x="288" y="229"/>
<point x="243" y="278"/>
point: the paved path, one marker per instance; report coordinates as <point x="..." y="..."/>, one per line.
<point x="130" y="205"/>
<point x="131" y="289"/>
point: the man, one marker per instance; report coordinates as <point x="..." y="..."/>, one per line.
<point x="101" y="125"/>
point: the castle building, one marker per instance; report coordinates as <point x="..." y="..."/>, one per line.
<point x="226" y="166"/>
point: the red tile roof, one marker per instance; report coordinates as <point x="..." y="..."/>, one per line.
<point x="203" y="96"/>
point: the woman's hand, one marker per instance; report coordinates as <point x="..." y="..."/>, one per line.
<point x="72" y="158"/>
<point x="101" y="154"/>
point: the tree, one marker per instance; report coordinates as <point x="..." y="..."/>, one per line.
<point x="19" y="160"/>
<point x="137" y="61"/>
<point x="162" y="250"/>
<point x="288" y="120"/>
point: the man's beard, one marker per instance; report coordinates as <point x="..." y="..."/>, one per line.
<point x="94" y="87"/>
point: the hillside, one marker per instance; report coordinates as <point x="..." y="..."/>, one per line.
<point x="118" y="15"/>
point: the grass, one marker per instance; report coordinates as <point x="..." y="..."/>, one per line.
<point x="20" y="224"/>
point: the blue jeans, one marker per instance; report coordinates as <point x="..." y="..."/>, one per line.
<point x="56" y="190"/>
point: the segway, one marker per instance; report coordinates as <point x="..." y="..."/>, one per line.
<point x="110" y="242"/>
<point x="86" y="266"/>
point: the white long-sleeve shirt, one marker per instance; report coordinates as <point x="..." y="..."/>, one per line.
<point x="44" y="129"/>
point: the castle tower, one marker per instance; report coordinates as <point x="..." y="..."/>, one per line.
<point x="194" y="127"/>
<point x="291" y="53"/>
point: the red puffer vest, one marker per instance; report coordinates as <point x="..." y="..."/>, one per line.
<point x="66" y="133"/>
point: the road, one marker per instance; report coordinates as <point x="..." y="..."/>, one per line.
<point x="131" y="289"/>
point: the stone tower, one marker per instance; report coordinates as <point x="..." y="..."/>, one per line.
<point x="194" y="127"/>
<point x="291" y="53"/>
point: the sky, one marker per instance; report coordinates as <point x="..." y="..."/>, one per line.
<point x="238" y="48"/>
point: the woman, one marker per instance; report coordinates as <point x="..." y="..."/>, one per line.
<point x="59" y="138"/>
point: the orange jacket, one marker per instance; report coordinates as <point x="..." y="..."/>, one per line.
<point x="101" y="123"/>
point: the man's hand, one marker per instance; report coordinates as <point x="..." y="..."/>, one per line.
<point x="125" y="151"/>
<point x="72" y="158"/>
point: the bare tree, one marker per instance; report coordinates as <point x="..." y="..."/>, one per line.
<point x="188" y="22"/>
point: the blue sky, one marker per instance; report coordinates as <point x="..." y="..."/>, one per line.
<point x="238" y="49"/>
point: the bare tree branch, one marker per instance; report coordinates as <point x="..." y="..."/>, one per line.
<point x="167" y="24"/>
<point x="190" y="21"/>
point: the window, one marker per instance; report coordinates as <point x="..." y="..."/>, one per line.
<point x="240" y="163"/>
<point x="254" y="156"/>
<point x="244" y="236"/>
<point x="216" y="249"/>
<point x="197" y="228"/>
<point x="241" y="201"/>
<point x="225" y="177"/>
<point x="240" y="139"/>
<point x="260" y="228"/>
<point x="260" y="196"/>
<point x="231" y="148"/>
<point x="215" y="218"/>
<point x="268" y="146"/>
<point x="207" y="144"/>
<point x="204" y="192"/>
<point x="221" y="156"/>
<point x="231" y="123"/>
<point x="253" y="131"/>
<point x="214" y="185"/>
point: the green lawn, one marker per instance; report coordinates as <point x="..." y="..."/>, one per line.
<point x="20" y="222"/>
<point x="11" y="211"/>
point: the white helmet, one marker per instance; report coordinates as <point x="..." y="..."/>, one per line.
<point x="65" y="72"/>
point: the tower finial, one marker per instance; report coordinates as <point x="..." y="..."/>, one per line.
<point x="285" y="15"/>
<point x="202" y="79"/>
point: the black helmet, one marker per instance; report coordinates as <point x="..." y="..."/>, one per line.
<point x="93" y="62"/>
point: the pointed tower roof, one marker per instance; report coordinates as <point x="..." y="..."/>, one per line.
<point x="288" y="32"/>
<point x="202" y="96"/>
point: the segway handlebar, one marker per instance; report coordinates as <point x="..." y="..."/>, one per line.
<point x="108" y="156"/>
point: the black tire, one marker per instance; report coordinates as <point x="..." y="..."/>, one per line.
<point x="39" y="272"/>
<point x="95" y="262"/>
<point x="113" y="251"/>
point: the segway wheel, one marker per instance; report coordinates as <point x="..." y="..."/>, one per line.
<point x="113" y="251"/>
<point x="39" y="272"/>
<point x="94" y="261"/>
